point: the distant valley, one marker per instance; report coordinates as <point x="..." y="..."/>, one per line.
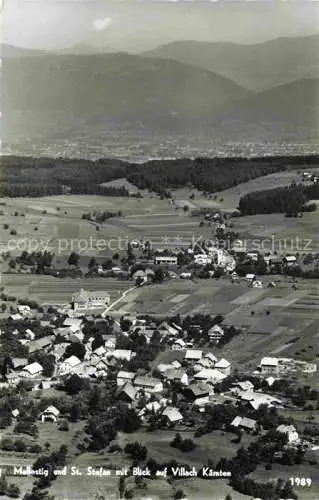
<point x="223" y="91"/>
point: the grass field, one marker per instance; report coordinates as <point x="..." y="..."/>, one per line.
<point x="50" y="290"/>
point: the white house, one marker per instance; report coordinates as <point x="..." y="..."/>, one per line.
<point x="51" y="414"/>
<point x="32" y="371"/>
<point x="84" y="300"/>
<point x="169" y="260"/>
<point x="179" y="345"/>
<point x="249" y="424"/>
<point x="215" y="333"/>
<point x="210" y="375"/>
<point x="250" y="277"/>
<point x="69" y="365"/>
<point x="223" y="366"/>
<point x="122" y="354"/>
<point x="193" y="355"/>
<point x="15" y="413"/>
<point x="24" y="310"/>
<point x="246" y="385"/>
<point x="172" y="415"/>
<point x="269" y="366"/>
<point x="185" y="276"/>
<point x="291" y="433"/>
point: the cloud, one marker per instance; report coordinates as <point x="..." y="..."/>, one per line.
<point x="102" y="24"/>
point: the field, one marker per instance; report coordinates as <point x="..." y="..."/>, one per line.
<point x="50" y="290"/>
<point x="56" y="224"/>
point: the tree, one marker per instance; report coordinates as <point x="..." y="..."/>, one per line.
<point x="92" y="265"/>
<point x="121" y="486"/>
<point x="73" y="384"/>
<point x="179" y="494"/>
<point x="75" y="349"/>
<point x="159" y="275"/>
<point x="73" y="259"/>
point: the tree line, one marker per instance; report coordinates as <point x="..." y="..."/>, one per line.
<point x="28" y="176"/>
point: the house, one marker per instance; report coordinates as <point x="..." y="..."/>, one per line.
<point x="176" y="375"/>
<point x="253" y="256"/>
<point x="223" y="366"/>
<point x="153" y="406"/>
<point x="243" y="386"/>
<point x="69" y="365"/>
<point x="123" y="377"/>
<point x="202" y="259"/>
<point x="179" y="345"/>
<point x="210" y="375"/>
<point x="249" y="424"/>
<point x="197" y="390"/>
<point x="24" y="310"/>
<point x="40" y="344"/>
<point x="74" y="323"/>
<point x="169" y="330"/>
<point x="122" y="354"/>
<point x="110" y="341"/>
<point x="270" y="381"/>
<point x="185" y="276"/>
<point x="32" y="371"/>
<point x="203" y="363"/>
<point x="16" y="317"/>
<point x="169" y="260"/>
<point x="51" y="414"/>
<point x="289" y="260"/>
<point x="99" y="352"/>
<point x="30" y="335"/>
<point x="126" y="393"/>
<point x="210" y="357"/>
<point x="291" y="433"/>
<point x="19" y="363"/>
<point x="172" y="415"/>
<point x="15" y="413"/>
<point x="84" y="300"/>
<point x="250" y="277"/>
<point x="193" y="355"/>
<point x="256" y="399"/>
<point x="201" y="402"/>
<point x="215" y="333"/>
<point x="149" y="384"/>
<point x="257" y="284"/>
<point x="269" y="366"/>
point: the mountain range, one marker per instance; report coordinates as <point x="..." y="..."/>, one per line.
<point x="256" y="67"/>
<point x="182" y="86"/>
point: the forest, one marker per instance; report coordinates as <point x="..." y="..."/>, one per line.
<point x="290" y="200"/>
<point x="35" y="177"/>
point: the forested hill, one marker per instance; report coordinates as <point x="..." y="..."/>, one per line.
<point x="27" y="176"/>
<point x="290" y="200"/>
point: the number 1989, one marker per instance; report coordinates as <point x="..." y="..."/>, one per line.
<point x="301" y="481"/>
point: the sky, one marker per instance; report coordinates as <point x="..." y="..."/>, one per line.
<point x="137" y="25"/>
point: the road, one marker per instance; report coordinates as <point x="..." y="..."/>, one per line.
<point x="117" y="301"/>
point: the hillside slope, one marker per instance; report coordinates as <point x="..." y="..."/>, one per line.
<point x="46" y="95"/>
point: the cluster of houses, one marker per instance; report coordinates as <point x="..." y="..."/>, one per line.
<point x="278" y="367"/>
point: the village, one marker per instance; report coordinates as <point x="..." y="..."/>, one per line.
<point x="178" y="359"/>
